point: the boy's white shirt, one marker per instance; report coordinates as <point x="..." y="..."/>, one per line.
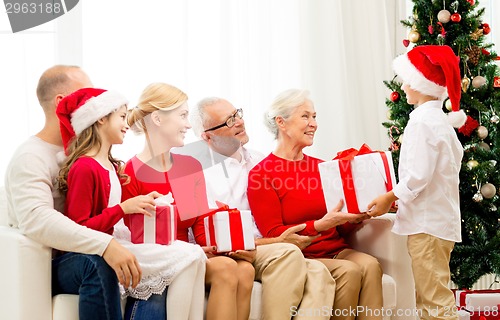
<point x="429" y="165"/>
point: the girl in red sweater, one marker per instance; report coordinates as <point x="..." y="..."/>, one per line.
<point x="91" y="121"/>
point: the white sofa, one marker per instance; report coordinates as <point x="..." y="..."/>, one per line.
<point x="26" y="281"/>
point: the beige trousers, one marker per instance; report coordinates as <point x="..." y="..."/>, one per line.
<point x="291" y="284"/>
<point x="358" y="278"/>
<point x="430" y="263"/>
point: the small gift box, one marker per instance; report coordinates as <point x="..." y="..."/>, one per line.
<point x="229" y="229"/>
<point x="478" y="300"/>
<point x="160" y="228"/>
<point x="356" y="177"/>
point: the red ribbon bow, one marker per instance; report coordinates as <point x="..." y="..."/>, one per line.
<point x="235" y="226"/>
<point x="346" y="175"/>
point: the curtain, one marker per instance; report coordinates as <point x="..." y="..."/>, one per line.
<point x="246" y="51"/>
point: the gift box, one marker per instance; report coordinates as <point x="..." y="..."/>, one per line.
<point x="478" y="300"/>
<point x="485" y="315"/>
<point x="356" y="177"/>
<point x="160" y="228"/>
<point x="229" y="230"/>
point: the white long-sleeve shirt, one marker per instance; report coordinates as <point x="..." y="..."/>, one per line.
<point x="429" y="165"/>
<point x="34" y="204"/>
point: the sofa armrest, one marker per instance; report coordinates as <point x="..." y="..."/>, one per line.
<point x="375" y="237"/>
<point x="25" y="274"/>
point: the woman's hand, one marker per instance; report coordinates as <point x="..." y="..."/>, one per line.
<point x="140" y="204"/>
<point x="335" y="218"/>
<point x="209" y="251"/>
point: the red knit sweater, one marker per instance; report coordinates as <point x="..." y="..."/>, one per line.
<point x="88" y="196"/>
<point x="285" y="193"/>
<point x="184" y="180"/>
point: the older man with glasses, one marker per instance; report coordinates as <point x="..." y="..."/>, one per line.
<point x="292" y="286"/>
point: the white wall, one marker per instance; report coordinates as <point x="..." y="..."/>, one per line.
<point x="246" y="51"/>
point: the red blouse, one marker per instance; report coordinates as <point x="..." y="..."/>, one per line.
<point x="283" y="194"/>
<point x="184" y="180"/>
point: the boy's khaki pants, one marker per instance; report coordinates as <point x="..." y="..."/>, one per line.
<point x="430" y="263"/>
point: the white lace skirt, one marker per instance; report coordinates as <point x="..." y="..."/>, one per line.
<point x="160" y="264"/>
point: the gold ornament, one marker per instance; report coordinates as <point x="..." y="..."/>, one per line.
<point x="471" y="164"/>
<point x="478" y="82"/>
<point x="482" y="132"/>
<point x="447" y="104"/>
<point x="483" y="145"/>
<point x="444" y="16"/>
<point x="476" y="34"/>
<point x="389" y="114"/>
<point x="413" y="36"/>
<point x="465" y="83"/>
<point x="488" y="190"/>
<point x="400" y="139"/>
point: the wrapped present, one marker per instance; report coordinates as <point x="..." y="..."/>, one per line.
<point x="356" y="177"/>
<point x="229" y="229"/>
<point x="160" y="228"/>
<point x="478" y="300"/>
<point x="480" y="315"/>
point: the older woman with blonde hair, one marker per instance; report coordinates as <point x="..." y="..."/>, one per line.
<point x="162" y="116"/>
<point x="285" y="190"/>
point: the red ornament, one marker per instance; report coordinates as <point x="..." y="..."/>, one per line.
<point x="485" y="52"/>
<point x="406" y="42"/>
<point x="395" y="96"/>
<point x="470" y="125"/>
<point x="471" y="2"/>
<point x="456" y="17"/>
<point x="430" y="28"/>
<point x="486" y="28"/>
<point x="496" y="82"/>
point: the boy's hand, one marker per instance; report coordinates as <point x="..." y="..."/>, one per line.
<point x="381" y="204"/>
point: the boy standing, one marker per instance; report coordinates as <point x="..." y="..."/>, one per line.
<point x="429" y="166"/>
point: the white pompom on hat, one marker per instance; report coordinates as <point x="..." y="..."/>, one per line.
<point x="433" y="70"/>
<point x="82" y="108"/>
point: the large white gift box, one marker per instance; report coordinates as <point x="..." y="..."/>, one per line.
<point x="478" y="300"/>
<point x="356" y="177"/>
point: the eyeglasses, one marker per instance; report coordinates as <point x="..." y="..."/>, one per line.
<point x="230" y="121"/>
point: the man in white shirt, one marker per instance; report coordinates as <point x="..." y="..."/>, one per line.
<point x="94" y="260"/>
<point x="291" y="284"/>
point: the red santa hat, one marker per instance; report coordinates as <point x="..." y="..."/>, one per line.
<point x="433" y="70"/>
<point x="82" y="108"/>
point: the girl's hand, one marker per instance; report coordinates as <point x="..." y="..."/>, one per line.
<point x="141" y="204"/>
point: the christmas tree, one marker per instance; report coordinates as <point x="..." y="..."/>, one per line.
<point x="458" y="24"/>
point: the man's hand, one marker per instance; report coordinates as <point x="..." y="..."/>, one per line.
<point x="290" y="235"/>
<point x="381" y="204"/>
<point x="124" y="263"/>
<point x="210" y="251"/>
<point x="243" y="255"/>
<point x="335" y="218"/>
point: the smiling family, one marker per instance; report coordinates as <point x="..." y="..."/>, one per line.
<point x="301" y="258"/>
